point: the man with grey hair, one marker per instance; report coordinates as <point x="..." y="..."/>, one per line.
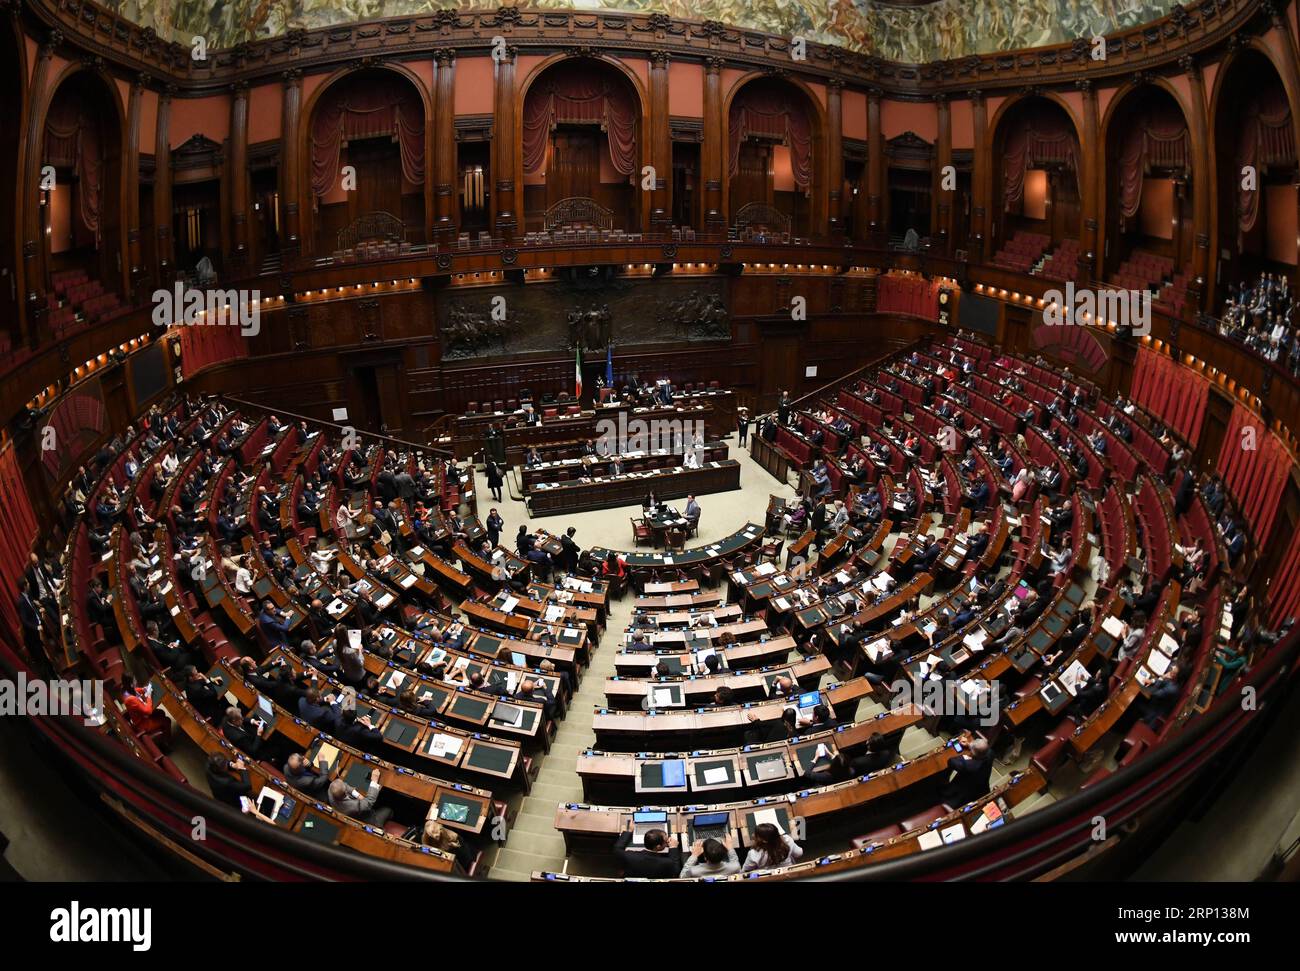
<point x="971" y="771"/>
<point x="347" y="800"/>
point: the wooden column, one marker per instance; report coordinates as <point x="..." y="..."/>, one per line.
<point x="944" y="196"/>
<point x="1091" y="176"/>
<point x="712" y="156"/>
<point x="661" y="147"/>
<point x="875" y="165"/>
<point x="444" y="146"/>
<point x="162" y="187"/>
<point x="34" y="244"/>
<point x="834" y="157"/>
<point x="290" y="165"/>
<point x="980" y="178"/>
<point x="1202" y="184"/>
<point x="238" y="180"/>
<point x="505" y="147"/>
<point x="131" y="173"/>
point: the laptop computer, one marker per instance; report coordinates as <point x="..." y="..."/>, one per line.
<point x="705" y="826"/>
<point x="644" y="821"/>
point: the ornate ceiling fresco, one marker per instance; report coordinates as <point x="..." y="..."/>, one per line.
<point x="912" y="34"/>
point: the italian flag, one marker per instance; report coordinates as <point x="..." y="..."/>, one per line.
<point x="577" y="374"/>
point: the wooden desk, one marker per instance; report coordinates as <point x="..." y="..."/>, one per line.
<point x="627" y="490"/>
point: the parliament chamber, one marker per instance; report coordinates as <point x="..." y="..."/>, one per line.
<point x="596" y="445"/>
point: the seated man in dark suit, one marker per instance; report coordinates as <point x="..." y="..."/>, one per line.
<point x="971" y="771"/>
<point x="227" y="779"/>
<point x="661" y="859"/>
<point x="305" y="777"/>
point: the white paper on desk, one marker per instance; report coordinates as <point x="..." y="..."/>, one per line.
<point x="554" y="614"/>
<point x="973" y="688"/>
<point x="766" y="816"/>
<point x="701" y="656"/>
<point x="661" y="697"/>
<point x="782" y="603"/>
<point x="878" y="649"/>
<point x="713" y="777"/>
<point x="765" y="569"/>
<point x="445" y="746"/>
<point x="1144" y="676"/>
<point x="928" y="664"/>
<point x="570" y="632"/>
<point x="416" y="552"/>
<point x="509" y="604"/>
<point x="668" y="559"/>
<point x="975" y="641"/>
<point x="354" y="639"/>
<point x="383" y="602"/>
<point x="396" y="679"/>
<point x="843" y="577"/>
<point x="953" y="833"/>
<point x="1073" y="677"/>
<point x="1158" y="662"/>
<point x="929" y="839"/>
<point x="1168" y="645"/>
<point x="408" y="581"/>
<point x="1113" y="626"/>
<point x="175" y="610"/>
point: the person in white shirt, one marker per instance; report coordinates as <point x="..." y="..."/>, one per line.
<point x="244" y="575"/>
<point x="772" y="848"/>
<point x="690" y="460"/>
<point x="344" y="520"/>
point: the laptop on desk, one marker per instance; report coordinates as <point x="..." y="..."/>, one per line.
<point x="705" y="826"/>
<point x="643" y="822"/>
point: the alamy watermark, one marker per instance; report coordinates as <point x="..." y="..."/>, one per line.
<point x="1129" y="310"/>
<point x="194" y="307"/>
<point x="948" y="698"/>
<point x="674" y="435"/>
<point x="37" y="697"/>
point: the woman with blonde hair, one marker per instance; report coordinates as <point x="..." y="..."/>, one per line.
<point x="448" y="840"/>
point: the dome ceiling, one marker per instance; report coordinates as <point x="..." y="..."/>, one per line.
<point x="911" y="31"/>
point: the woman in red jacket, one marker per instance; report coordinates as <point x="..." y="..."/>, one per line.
<point x="140" y="711"/>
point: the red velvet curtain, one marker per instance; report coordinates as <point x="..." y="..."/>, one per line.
<point x="1031" y="147"/>
<point x="1152" y="144"/>
<point x="206" y="344"/>
<point x="908" y="295"/>
<point x="1284" y="591"/>
<point x="366" y="108"/>
<point x="72" y="140"/>
<point x="567" y="96"/>
<point x="1266" y="139"/>
<point x="1255" y="476"/>
<point x="17" y="531"/>
<point x="761" y="111"/>
<point x="1175" y="394"/>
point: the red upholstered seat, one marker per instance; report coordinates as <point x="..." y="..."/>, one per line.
<point x="922" y="819"/>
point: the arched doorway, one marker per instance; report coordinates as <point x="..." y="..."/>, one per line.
<point x="81" y="207"/>
<point x="773" y="154"/>
<point x="581" y="148"/>
<point x="365" y="158"/>
<point x="1036" y="198"/>
<point x="1257" y="175"/>
<point x="1149" y="206"/>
